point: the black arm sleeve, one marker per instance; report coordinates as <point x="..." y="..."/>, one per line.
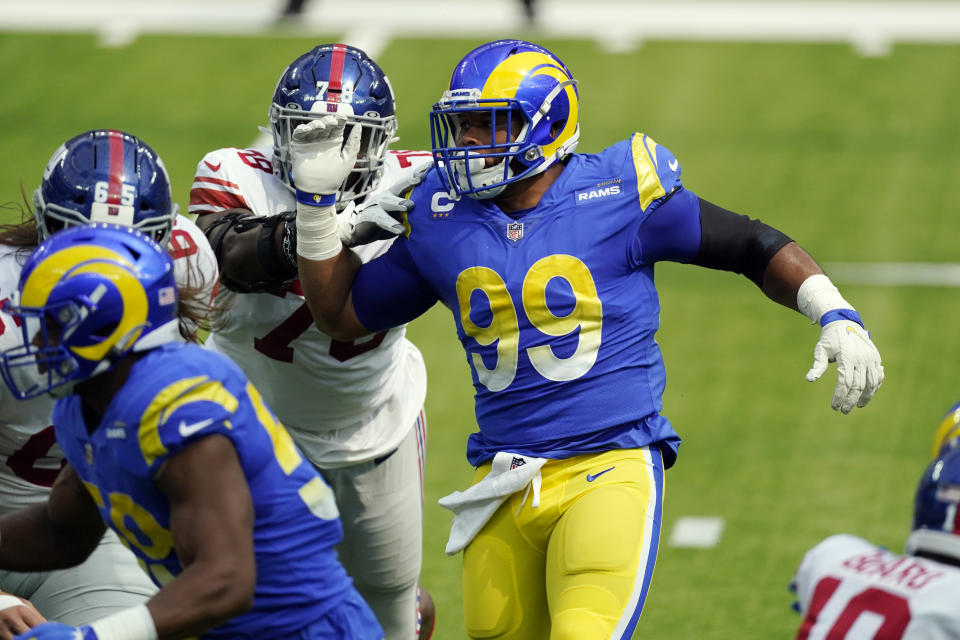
<point x="254" y="254"/>
<point x="733" y="242"/>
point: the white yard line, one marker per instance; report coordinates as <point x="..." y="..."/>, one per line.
<point x="696" y="531"/>
<point x="872" y="28"/>
<point x="891" y="274"/>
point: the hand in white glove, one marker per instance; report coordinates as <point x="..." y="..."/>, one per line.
<point x="381" y="216"/>
<point x="320" y="160"/>
<point x="372" y="221"/>
<point x="859" y="370"/>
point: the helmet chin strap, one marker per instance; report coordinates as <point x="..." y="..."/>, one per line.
<point x="481" y="176"/>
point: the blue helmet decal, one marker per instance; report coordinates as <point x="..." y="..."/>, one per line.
<point x="107" y="176"/>
<point x="947" y="435"/>
<point x="336" y="78"/>
<point x="518" y="87"/>
<point x="936" y="527"/>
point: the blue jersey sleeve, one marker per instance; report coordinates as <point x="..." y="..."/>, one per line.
<point x="389" y="291"/>
<point x="182" y="412"/>
<point x="670" y="232"/>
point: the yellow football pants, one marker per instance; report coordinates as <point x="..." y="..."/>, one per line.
<point x="577" y="567"/>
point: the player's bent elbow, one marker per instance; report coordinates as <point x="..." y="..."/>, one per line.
<point x="229" y="592"/>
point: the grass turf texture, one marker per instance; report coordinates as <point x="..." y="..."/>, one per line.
<point x="854" y="158"/>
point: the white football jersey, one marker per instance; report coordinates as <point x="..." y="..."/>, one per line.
<point x="344" y="402"/>
<point x="851" y="589"/>
<point x="30" y="458"/>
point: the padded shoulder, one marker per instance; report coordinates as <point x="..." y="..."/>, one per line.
<point x="657" y="169"/>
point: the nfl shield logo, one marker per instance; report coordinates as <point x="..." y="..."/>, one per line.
<point x="514" y="231"/>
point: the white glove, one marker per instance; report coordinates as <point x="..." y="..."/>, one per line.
<point x="372" y="221"/>
<point x="859" y="370"/>
<point x="320" y="160"/>
<point x="381" y="216"/>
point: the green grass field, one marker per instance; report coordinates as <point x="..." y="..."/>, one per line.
<point x="855" y="158"/>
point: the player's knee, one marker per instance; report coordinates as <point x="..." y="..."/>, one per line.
<point x="586" y="611"/>
<point x="579" y="624"/>
<point x="388" y="593"/>
<point x="490" y="603"/>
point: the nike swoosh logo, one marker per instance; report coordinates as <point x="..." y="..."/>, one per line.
<point x="673" y="164"/>
<point x="854" y="331"/>
<point x="591" y="478"/>
<point x="213" y="167"/>
<point x="187" y="430"/>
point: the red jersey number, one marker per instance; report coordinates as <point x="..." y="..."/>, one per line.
<point x="23" y="461"/>
<point x="181" y="244"/>
<point x="255" y="159"/>
<point x="276" y="344"/>
<point x="894" y="609"/>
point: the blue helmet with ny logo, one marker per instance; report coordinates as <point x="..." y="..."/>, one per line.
<point x="936" y="527"/>
<point x="513" y="85"/>
<point x="109" y="176"/>
<point x="336" y="78"/>
<point x="88" y="296"/>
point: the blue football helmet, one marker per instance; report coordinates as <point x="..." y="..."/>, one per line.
<point x="336" y="78"/>
<point x="936" y="527"/>
<point x="105" y="176"/>
<point x="948" y="432"/>
<point x="88" y="296"/>
<point x="503" y="82"/>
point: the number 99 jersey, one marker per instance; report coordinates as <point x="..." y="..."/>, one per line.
<point x="556" y="308"/>
<point x="175" y="395"/>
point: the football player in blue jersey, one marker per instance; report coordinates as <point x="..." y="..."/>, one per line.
<point x="547" y="266"/>
<point x="170" y="446"/>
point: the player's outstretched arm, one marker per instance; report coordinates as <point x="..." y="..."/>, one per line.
<point x="321" y="160"/>
<point x="326" y="286"/>
<point x="794" y="279"/>
<point x="55" y="535"/>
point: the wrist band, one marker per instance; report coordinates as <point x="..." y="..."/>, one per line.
<point x="817" y="295"/>
<point x="134" y="623"/>
<point x="840" y="314"/>
<point x="318" y="234"/>
<point x="7" y="601"/>
<point x="316" y="199"/>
